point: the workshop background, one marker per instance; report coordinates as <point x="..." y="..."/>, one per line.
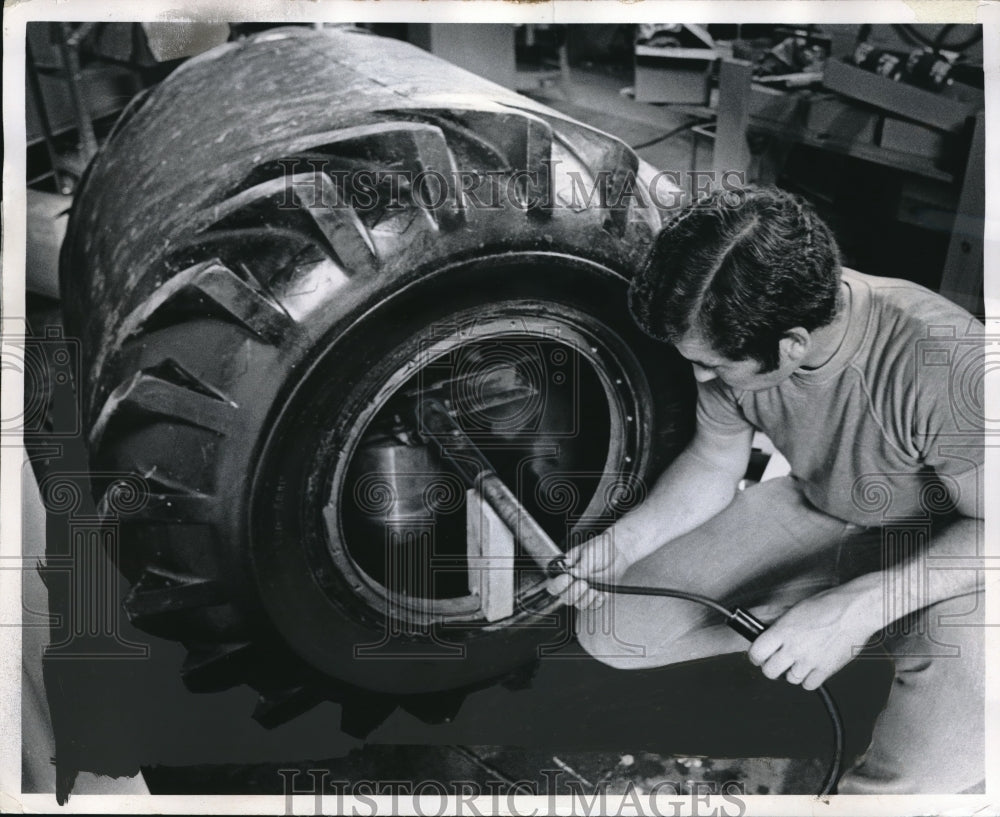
<point x="880" y="127"/>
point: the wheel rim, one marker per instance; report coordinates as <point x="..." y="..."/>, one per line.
<point x="552" y="397"/>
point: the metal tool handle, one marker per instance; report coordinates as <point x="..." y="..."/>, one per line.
<point x="454" y="444"/>
<point x="745" y="624"/>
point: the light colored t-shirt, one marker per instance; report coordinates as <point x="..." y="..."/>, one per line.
<point x="898" y="410"/>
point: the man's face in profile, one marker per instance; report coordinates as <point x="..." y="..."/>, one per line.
<point x="741" y="375"/>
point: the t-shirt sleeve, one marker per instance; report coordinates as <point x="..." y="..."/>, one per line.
<point x="949" y="417"/>
<point x="718" y="411"/>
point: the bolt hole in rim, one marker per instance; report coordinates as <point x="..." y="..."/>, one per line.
<point x="521" y="377"/>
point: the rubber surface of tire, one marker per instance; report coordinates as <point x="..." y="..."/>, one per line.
<point x="208" y="274"/>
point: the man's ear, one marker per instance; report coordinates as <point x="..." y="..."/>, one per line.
<point x="794" y="346"/>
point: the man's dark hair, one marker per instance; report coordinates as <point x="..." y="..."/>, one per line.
<point x="742" y="267"/>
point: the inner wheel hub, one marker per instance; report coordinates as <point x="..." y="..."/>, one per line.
<point x="548" y="402"/>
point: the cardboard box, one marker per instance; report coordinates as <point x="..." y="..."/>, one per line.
<point x="914" y="139"/>
<point x="673" y="75"/>
<point x="838" y="120"/>
<point x="932" y="109"/>
<point x="824" y="116"/>
<point x="775" y="105"/>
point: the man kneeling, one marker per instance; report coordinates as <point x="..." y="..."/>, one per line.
<point x="851" y="376"/>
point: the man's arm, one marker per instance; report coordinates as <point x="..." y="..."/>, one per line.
<point x="696" y="486"/>
<point x="700" y="483"/>
<point x="895" y="589"/>
<point x="818" y="636"/>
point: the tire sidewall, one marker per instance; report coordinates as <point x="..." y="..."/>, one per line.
<point x="306" y="597"/>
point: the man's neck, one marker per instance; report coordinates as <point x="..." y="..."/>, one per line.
<point x="828" y="339"/>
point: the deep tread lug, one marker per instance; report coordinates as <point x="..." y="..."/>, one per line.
<point x="151" y="396"/>
<point x="170" y="501"/>
<point x="276" y="707"/>
<point x="187" y="508"/>
<point x="346" y="236"/>
<point x="432" y="155"/>
<point x="527" y="149"/>
<point x="625" y="164"/>
<point x="158" y="593"/>
<point x="219" y="285"/>
<point x="537" y="160"/>
<point x="435" y="708"/>
<point x="216" y="667"/>
<point x="360" y="714"/>
<point x="172" y="371"/>
<point x="165" y="507"/>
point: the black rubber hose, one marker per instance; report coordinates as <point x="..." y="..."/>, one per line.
<point x="738" y="619"/>
<point x="833" y="770"/>
<point x="941" y="40"/>
<point x="913" y="35"/>
<point x="435" y="421"/>
<point x="636" y="590"/>
<point x="663" y="137"/>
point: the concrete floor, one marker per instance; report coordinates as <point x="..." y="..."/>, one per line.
<point x="503" y="769"/>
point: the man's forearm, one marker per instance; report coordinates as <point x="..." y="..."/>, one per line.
<point x="917" y="582"/>
<point x="686" y="495"/>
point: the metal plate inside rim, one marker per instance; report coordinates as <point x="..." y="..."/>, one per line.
<point x="436" y="344"/>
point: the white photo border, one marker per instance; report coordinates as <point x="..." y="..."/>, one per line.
<point x="17" y="14"/>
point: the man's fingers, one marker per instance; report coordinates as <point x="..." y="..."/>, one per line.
<point x="777" y="664"/>
<point x="575" y="557"/>
<point x="814" y="679"/>
<point x="590" y="559"/>
<point x="592" y="599"/>
<point x="558" y="584"/>
<point x="576" y="592"/>
<point x="763" y="648"/>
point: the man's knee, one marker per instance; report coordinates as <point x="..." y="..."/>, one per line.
<point x="606" y="644"/>
<point x="944" y="643"/>
<point x="625" y="634"/>
<point x="930" y="738"/>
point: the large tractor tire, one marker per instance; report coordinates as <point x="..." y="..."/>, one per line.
<point x="258" y="324"/>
